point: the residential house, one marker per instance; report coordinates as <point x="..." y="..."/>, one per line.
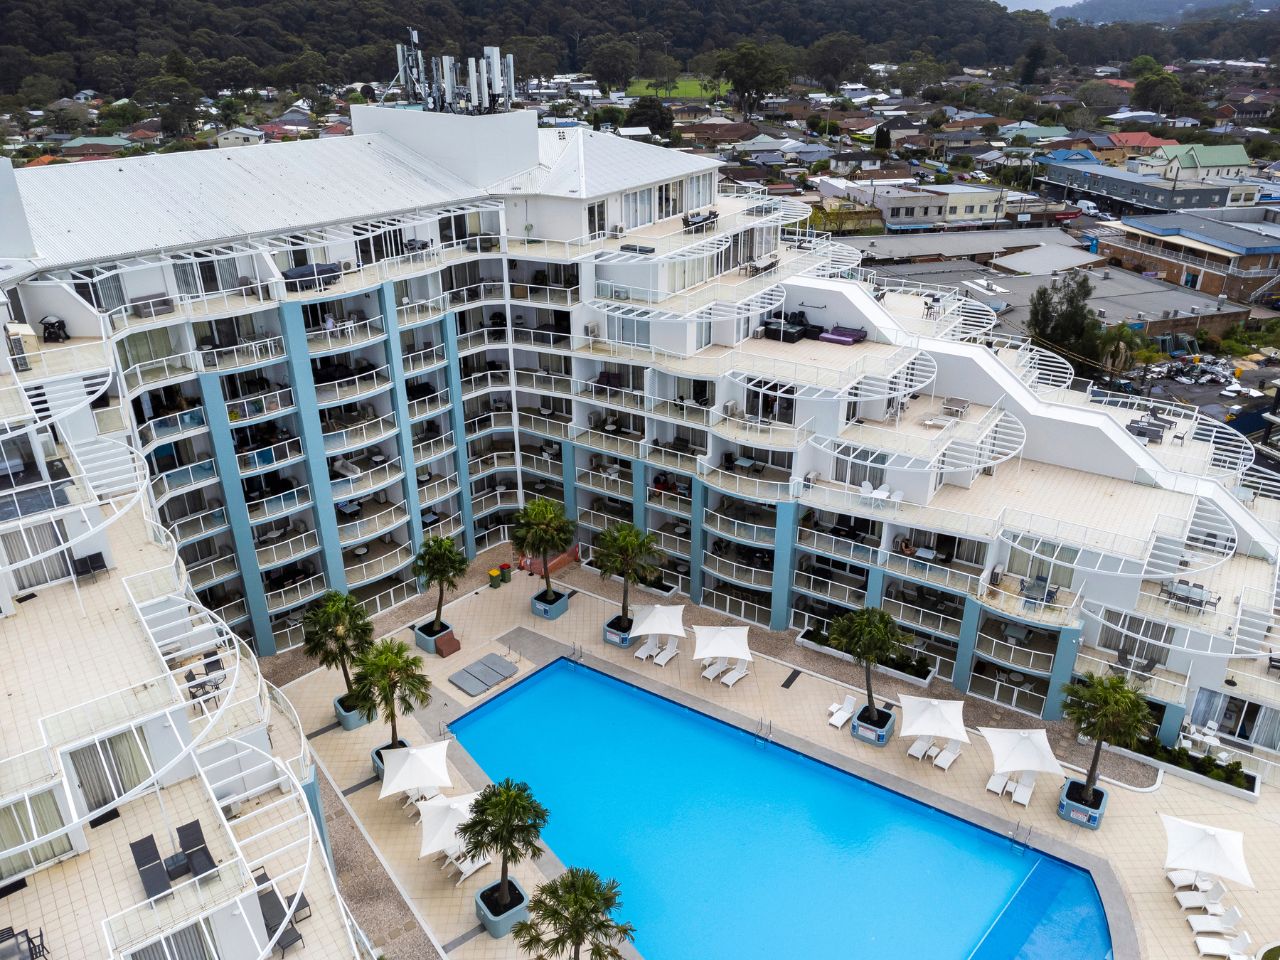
<point x="86" y="147"/>
<point x="339" y="128"/>
<point x="1034" y="132"/>
<point x="1196" y="161"/>
<point x="716" y="132"/>
<point x="240" y="137"/>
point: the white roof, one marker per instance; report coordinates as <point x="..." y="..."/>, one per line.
<point x="634" y="132"/>
<point x="1045" y="259"/>
<point x="123" y="207"/>
<point x="576" y="162"/>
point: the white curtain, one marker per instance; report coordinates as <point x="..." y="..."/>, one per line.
<point x="16" y="828"/>
<point x="110" y="768"/>
<point x="189" y="943"/>
<point x="1209" y="705"/>
<point x="1266" y="729"/>
<point x="31" y="541"/>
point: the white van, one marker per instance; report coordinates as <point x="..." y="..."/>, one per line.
<point x="1087" y="207"/>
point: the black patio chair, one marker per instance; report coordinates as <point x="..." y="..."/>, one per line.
<point x="191" y="842"/>
<point x="146" y="857"/>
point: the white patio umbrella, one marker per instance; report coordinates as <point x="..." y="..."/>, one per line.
<point x="658" y="619"/>
<point x="924" y="717"/>
<point x="1015" y="751"/>
<point x="415" y="768"/>
<point x="1203" y="849"/>
<point x="710" y="643"/>
<point x="441" y="817"/>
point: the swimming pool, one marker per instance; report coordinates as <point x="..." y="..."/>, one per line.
<point x="727" y="847"/>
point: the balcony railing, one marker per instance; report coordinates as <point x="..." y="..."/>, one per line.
<point x="267" y="458"/>
<point x="416" y="361"/>
<point x="739" y="529"/>
<point x="925" y="619"/>
<point x="370" y="570"/>
<point x="275" y="552"/>
<point x="673" y="543"/>
<point x="599" y="520"/>
<point x="437" y="490"/>
<point x="345" y="335"/>
<point x="251" y="409"/>
<point x="246" y="354"/>
<point x="748" y="486"/>
<point x="179" y="906"/>
<point x="203" y="573"/>
<point x="553" y="296"/>
<point x="1151" y="684"/>
<point x="600" y="480"/>
<point x="485" y="380"/>
<point x="737" y="572"/>
<point x="172" y="427"/>
<point x="291" y="596"/>
<point x="482" y="463"/>
<point x="670" y="502"/>
<point x="988" y="688"/>
<point x="545" y="426"/>
<point x="736" y="607"/>
<point x="428" y="450"/>
<point x="541" y="464"/>
<point x="841" y="547"/>
<point x="841" y="593"/>
<point x="1037" y="661"/>
<point x="172" y="481"/>
<point x="368" y="480"/>
<point x="280" y="504"/>
<point x="152" y="372"/>
<point x="373" y="525"/>
<point x="486" y="336"/>
<point x="360" y="435"/>
<point x="391" y="597"/>
<point x="488" y="420"/>
<point x="170" y="309"/>
<point x="354" y="388"/>
<point x="494" y="500"/>
<point x="426" y="406"/>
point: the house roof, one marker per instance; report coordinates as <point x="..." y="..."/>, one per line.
<point x="1140" y="138"/>
<point x="118" y="143"/>
<point x="1231" y="154"/>
<point x="127" y="207"/>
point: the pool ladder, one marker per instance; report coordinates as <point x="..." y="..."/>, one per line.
<point x="577" y="652"/>
<point x="1020" y="839"/>
<point x="764" y="731"/>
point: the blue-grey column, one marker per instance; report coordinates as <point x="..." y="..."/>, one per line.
<point x="1171" y="724"/>
<point x="449" y="325"/>
<point x="224" y="455"/>
<point x="1064" y="662"/>
<point x="697" y="536"/>
<point x="569" y="478"/>
<point x="875" y="587"/>
<point x="400" y="406"/>
<point x="304" y="391"/>
<point x="784" y="549"/>
<point x="965" y="644"/>
<point x="311" y="790"/>
<point x="639" y="494"/>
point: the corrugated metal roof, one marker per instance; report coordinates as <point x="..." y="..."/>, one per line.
<point x="581" y="163"/>
<point x="124" y="207"/>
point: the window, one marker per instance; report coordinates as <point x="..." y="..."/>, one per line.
<point x="637" y="208"/>
<point x="700" y="191"/>
<point x="670" y="199"/>
<point x="22" y="821"/>
<point x="982" y="209"/>
<point x="895" y="211"/>
<point x="950" y="210"/>
<point x="109" y="768"/>
<point x="596" y="218"/>
<point x="968" y="208"/>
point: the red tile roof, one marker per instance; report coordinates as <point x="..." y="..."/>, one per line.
<point x="1140" y="139"/>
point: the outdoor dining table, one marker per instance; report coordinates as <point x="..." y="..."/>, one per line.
<point x="17" y="948"/>
<point x="743" y="463"/>
<point x="1036" y="592"/>
<point x="924" y="553"/>
<point x="1188" y="594"/>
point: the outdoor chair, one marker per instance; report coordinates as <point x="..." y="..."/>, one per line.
<point x="146" y="857"/>
<point x="191" y="842"/>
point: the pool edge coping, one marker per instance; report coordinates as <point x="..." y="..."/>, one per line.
<point x="542" y="651"/>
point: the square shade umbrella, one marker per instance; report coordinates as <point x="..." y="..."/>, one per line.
<point x="1194" y="846"/>
<point x="441" y="817"/>
<point x="923" y="717"/>
<point x="1017" y="750"/>
<point x="710" y="643"/>
<point x="658" y="619"/>
<point x="415" y="768"/>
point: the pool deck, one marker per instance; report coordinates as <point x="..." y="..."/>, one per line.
<point x="1125" y="856"/>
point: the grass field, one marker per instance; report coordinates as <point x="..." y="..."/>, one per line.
<point x="686" y="88"/>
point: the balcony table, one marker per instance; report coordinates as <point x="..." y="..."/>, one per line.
<point x="378" y="458"/>
<point x="360" y="551"/>
<point x="743" y="463"/>
<point x="273" y="534"/>
<point x="17" y="948"/>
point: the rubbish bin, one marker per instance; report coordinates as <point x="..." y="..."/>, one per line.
<point x="495" y="578"/>
<point x="505" y="569"/>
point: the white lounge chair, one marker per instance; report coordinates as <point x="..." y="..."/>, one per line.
<point x="1025" y="788"/>
<point x="1188" y="880"/>
<point x="841" y="712"/>
<point x="465" y="867"/>
<point x="647" y="649"/>
<point x="714" y="668"/>
<point x="919" y="748"/>
<point x="997" y="783"/>
<point x="1235" y="949"/>
<point x="1210" y="901"/>
<point x="737" y="673"/>
<point x="668" y="653"/>
<point x="1224" y="925"/>
<point x="948" y="756"/>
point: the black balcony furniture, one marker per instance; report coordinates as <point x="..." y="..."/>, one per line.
<point x="35" y="945"/>
<point x="196" y="686"/>
<point x="214" y="674"/>
<point x="146" y="857"/>
<point x="309" y="276"/>
<point x="1273" y="663"/>
<point x="783" y="331"/>
<point x="274" y="917"/>
<point x="89" y="566"/>
<point x="191" y="842"/>
<point x="262" y="878"/>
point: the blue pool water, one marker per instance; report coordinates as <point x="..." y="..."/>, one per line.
<point x="730" y="849"/>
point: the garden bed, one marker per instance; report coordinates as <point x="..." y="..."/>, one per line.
<point x="1228" y="778"/>
<point x="918" y="671"/>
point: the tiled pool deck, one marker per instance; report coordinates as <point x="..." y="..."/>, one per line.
<point x="1126" y="854"/>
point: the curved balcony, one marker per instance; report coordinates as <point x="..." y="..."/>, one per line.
<point x="198" y="525"/>
<point x="1215" y="637"/>
<point x="433" y="490"/>
<point x="740" y="573"/>
<point x="759" y="431"/>
<point x="345" y="335"/>
<point x="496" y="499"/>
<point x="160" y="372"/>
<point x="424" y="451"/>
<point x="244" y="411"/>
<point x="295" y="594"/>
<point x="421" y="360"/>
<point x="273" y="457"/>
<point x="376" y="562"/>
<point x="190" y="476"/>
<point x="427" y="406"/>
<point x="357" y="435"/>
<point x="756" y="527"/>
<point x="1031" y="652"/>
<point x="275" y="551"/>
<point x="369" y="480"/>
<point x="354" y="388"/>
<point x="209" y="572"/>
<point x="353" y="531"/>
<point x="251" y="353"/>
<point x="279" y="505"/>
<point x="170" y="429"/>
<point x="1041" y="370"/>
<point x="746" y="485"/>
<point x="51" y="383"/>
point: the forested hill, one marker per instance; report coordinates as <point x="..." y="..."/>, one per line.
<point x="112" y="44"/>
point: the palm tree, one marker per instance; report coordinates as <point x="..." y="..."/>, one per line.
<point x="572" y="912"/>
<point x="389" y="680"/>
<point x="336" y="631"/>
<point x="1105" y="709"/>
<point x="506" y="820"/>
<point x="542" y="530"/>
<point x="1116" y="346"/>
<point x="442" y="562"/>
<point x="871" y="636"/>
<point x="624" y="550"/>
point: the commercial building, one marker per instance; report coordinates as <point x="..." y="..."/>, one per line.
<point x="1130" y="190"/>
<point x="293" y="384"/>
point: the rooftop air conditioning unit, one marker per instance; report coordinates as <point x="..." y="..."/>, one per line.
<point x="731" y="408"/>
<point x="592" y="330"/>
<point x="1140" y="316"/>
<point x="347" y="266"/>
<point x="1222" y="298"/>
<point x="621" y="293"/>
<point x="1195" y="311"/>
<point x="1106" y="274"/>
<point x="871" y="243"/>
<point x="1102" y="314"/>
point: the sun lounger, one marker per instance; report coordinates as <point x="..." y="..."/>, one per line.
<point x="500" y="665"/>
<point x="465" y="867"/>
<point x="997" y="783"/>
<point x="1238" y="947"/>
<point x="736" y="674"/>
<point x="948" y="756"/>
<point x="1026" y="786"/>
<point x="151" y="871"/>
<point x="647" y="649"/>
<point x="715" y="668"/>
<point x="919" y="748"/>
<point x="668" y="653"/>
<point x="467" y="683"/>
<point x="1210" y="901"/>
<point x="1225" y="924"/>
<point x="1188" y="880"/>
<point x="841" y="712"/>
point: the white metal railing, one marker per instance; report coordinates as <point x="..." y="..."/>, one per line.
<point x="600" y="480"/>
<point x="416" y="314"/>
<point x="368" y="570"/>
<point x="279" y="504"/>
<point x="488" y="420"/>
<point x="485" y="380"/>
<point x="242" y="354"/>
<point x="551" y="296"/>
<point x="841" y="593"/>
<point x="266" y="458"/>
<point x="151" y="372"/>
<point x="609" y="442"/>
<point x="384" y="600"/>
<point x="735" y="607"/>
<point x="275" y="552"/>
<point x="180" y="904"/>
<point x="171" y="481"/>
<point x="443" y="527"/>
<point x="291" y="596"/>
<point x="368" y="480"/>
<point x="753" y="487"/>
<point x="422" y="359"/>
<point x="171" y="308"/>
<point x="493" y="500"/>
<point x="988" y="688"/>
<point x="206" y="572"/>
<point x="249" y="409"/>
<point x="600" y="519"/>
<point x="834" y="546"/>
<point x="739" y="529"/>
<point x="1151" y="684"/>
<point x="481" y="463"/>
<point x="232" y="612"/>
<point x="345" y="335"/>
<point x="911" y="614"/>
<point x="670" y="502"/>
<point x="199" y="524"/>
<point x="541" y="464"/>
<point x="370" y="526"/>
<point x="361" y="434"/>
<point x="171" y="427"/>
<point x="436" y="490"/>
<point x="545" y="426"/>
<point x="672" y="542"/>
<point x="427" y="450"/>
<point x="1014" y="655"/>
<point x="353" y="388"/>
<point x="727" y="569"/>
<point x="493" y="537"/>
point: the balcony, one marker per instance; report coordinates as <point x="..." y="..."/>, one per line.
<point x="421" y="359"/>
<point x="673" y="537"/>
<point x="355" y="430"/>
<point x="744" y="573"/>
<point x="841" y="542"/>
<point x="168" y="429"/>
<point x="359" y="527"/>
<point x="154" y="373"/>
<point x="671" y="502"/>
<point x="356" y="387"/>
<point x="182" y="478"/>
<point x="602" y="514"/>
<point x="425" y="399"/>
<point x="433" y="488"/>
<point x="1027" y="695"/>
<point x="373" y="475"/>
<point x="269" y="457"/>
<point x="292" y="594"/>
<point x="487" y="335"/>
<point x="278" y="504"/>
<point x="698" y="414"/>
<point x="743" y="521"/>
<point x="613" y="480"/>
<point x="618" y="440"/>
<point x="484" y="461"/>
<point x="199" y="524"/>
<point x="434" y="525"/>
<point x="746" y="605"/>
<point x="371" y="561"/>
<point x="258" y="407"/>
<point x="924" y="608"/>
<point x="242" y="299"/>
<point x="758" y="431"/>
<point x="846" y="588"/>
<point x="343" y="335"/>
<point x="478" y="382"/>
<point x="749" y="478"/>
<point x="494" y="498"/>
<point x="676" y="454"/>
<point x="280" y="545"/>
<point x="543" y="460"/>
<point x="558" y="426"/>
<point x="563" y="297"/>
<point x="250" y="353"/>
<point x="208" y="572"/>
<point x="490" y="417"/>
<point x="1015" y="646"/>
<point x="428" y="449"/>
<point x="1159" y="682"/>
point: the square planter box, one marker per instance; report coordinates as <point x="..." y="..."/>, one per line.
<point x="1078" y="813"/>
<point x="615" y="635"/>
<point x="499" y="926"/>
<point x="876" y="736"/>
<point x="375" y="755"/>
<point x="549" y="610"/>
<point x="443" y="643"/>
<point x="348" y="719"/>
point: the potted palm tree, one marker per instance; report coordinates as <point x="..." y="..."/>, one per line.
<point x="870" y="636"/>
<point x="572" y="916"/>
<point x="388" y="681"/>
<point x="336" y="631"/>
<point x="627" y="552"/>
<point x="441" y="562"/>
<point x="542" y="530"/>
<point x="1104" y="709"/>
<point x="506" y="820"/>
